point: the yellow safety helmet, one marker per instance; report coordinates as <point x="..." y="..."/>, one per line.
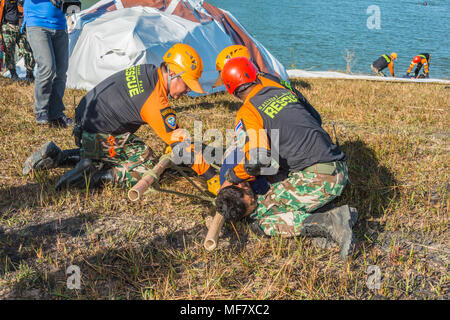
<point x="394" y="55"/>
<point x="225" y="55"/>
<point x="231" y="52"/>
<point x="187" y="63"/>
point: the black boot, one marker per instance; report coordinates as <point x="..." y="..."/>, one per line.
<point x="78" y="176"/>
<point x="69" y="158"/>
<point x="256" y="229"/>
<point x="30" y="77"/>
<point x="334" y="225"/>
<point x="44" y="158"/>
<point x="100" y="177"/>
<point x="325" y="243"/>
<point x="85" y="174"/>
<point x="51" y="156"/>
<point x="14" y="76"/>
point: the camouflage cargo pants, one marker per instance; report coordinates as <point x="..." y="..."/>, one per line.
<point x="12" y="36"/>
<point x="283" y="208"/>
<point x="126" y="154"/>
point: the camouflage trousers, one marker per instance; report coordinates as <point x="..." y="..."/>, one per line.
<point x="12" y="36"/>
<point x="126" y="154"/>
<point x="283" y="208"/>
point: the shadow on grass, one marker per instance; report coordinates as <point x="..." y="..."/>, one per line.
<point x="17" y="246"/>
<point x="227" y="104"/>
<point x="27" y="250"/>
<point x="300" y="83"/>
<point x="133" y="270"/>
<point x="126" y="272"/>
<point x="371" y="190"/>
<point x="15" y="198"/>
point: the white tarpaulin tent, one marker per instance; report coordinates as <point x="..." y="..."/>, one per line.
<point x="115" y="34"/>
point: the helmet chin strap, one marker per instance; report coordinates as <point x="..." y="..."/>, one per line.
<point x="169" y="80"/>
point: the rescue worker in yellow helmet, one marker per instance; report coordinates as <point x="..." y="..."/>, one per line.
<point x="383" y="62"/>
<point x="421" y="60"/>
<point x="108" y="116"/>
<point x="186" y="63"/>
<point x="226" y="54"/>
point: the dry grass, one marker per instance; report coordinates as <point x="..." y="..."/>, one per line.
<point x="396" y="139"/>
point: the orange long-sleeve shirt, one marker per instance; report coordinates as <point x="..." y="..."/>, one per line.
<point x="391" y="68"/>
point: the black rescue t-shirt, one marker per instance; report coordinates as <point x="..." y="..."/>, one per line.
<point x="11" y="14"/>
<point x="130" y="98"/>
<point x="381" y="63"/>
<point x="114" y="105"/>
<point x="272" y="111"/>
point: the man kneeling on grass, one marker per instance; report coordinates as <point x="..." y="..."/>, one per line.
<point x="312" y="170"/>
<point x="109" y="115"/>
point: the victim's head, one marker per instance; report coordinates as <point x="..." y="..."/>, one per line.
<point x="236" y="201"/>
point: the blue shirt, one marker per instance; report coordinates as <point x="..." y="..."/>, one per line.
<point x="42" y="13"/>
<point x="231" y="160"/>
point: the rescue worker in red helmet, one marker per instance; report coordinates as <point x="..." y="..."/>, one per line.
<point x="421" y="60"/>
<point x="235" y="51"/>
<point x="281" y="140"/>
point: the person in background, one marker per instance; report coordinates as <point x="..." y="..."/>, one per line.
<point x="47" y="34"/>
<point x="10" y="14"/>
<point x="382" y="63"/>
<point x="421" y="60"/>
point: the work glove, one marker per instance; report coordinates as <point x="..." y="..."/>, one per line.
<point x="214" y="185"/>
<point x="168" y="150"/>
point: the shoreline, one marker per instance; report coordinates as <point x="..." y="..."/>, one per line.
<point x="299" y="73"/>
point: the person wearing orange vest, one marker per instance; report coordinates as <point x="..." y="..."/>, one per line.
<point x="235" y="51"/>
<point x="11" y="12"/>
<point x="382" y="63"/>
<point x="108" y="116"/>
<point x="421" y="60"/>
<point x="282" y="141"/>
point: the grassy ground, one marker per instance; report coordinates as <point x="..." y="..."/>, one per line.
<point x="396" y="139"/>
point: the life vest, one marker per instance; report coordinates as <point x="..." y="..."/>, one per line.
<point x="388" y="59"/>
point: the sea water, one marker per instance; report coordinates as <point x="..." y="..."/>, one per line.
<point x="347" y="35"/>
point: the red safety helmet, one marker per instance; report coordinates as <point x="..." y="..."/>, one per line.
<point x="238" y="71"/>
<point x="417" y="59"/>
